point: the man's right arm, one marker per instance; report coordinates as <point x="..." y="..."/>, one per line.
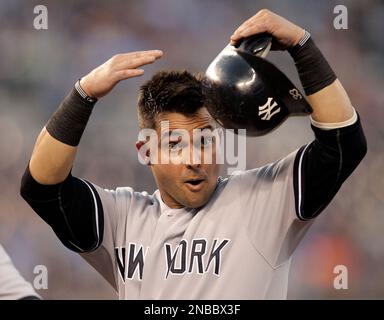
<point x="71" y="206"/>
<point x="56" y="146"/>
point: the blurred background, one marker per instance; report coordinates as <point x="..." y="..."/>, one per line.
<point x="39" y="67"/>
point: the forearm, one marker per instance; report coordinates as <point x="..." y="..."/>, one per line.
<point x="331" y="104"/>
<point x="56" y="146"/>
<point x="51" y="160"/>
<point x="326" y="95"/>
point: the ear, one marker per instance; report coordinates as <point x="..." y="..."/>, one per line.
<point x="143" y="152"/>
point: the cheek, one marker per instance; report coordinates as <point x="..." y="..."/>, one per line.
<point x="212" y="155"/>
<point x="168" y="175"/>
<point x="213" y="172"/>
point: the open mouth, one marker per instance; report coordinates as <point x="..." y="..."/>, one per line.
<point x="195" y="182"/>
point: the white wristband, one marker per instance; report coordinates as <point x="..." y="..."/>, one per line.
<point x="335" y="125"/>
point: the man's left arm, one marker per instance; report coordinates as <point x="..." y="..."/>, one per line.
<point x="323" y="165"/>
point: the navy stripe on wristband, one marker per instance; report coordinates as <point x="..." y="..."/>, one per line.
<point x="305" y="38"/>
<point x="83" y="93"/>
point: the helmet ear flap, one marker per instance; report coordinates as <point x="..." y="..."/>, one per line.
<point x="245" y="91"/>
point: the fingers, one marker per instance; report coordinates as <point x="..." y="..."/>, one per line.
<point x="155" y="53"/>
<point x="136" y="55"/>
<point x="123" y="66"/>
<point x="133" y="60"/>
<point x="256" y="24"/>
<point x="128" y="73"/>
<point x="130" y="63"/>
<point x="247" y="30"/>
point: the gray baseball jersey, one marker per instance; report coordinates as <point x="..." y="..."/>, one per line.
<point x="238" y="246"/>
<point x="12" y="284"/>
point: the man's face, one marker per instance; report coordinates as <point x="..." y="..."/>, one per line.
<point x="191" y="182"/>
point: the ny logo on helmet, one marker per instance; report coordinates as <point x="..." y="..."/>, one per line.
<point x="268" y="110"/>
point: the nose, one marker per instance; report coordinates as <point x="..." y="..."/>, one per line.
<point x="193" y="166"/>
<point x="194" y="156"/>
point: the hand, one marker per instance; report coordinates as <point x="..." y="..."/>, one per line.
<point x="101" y="80"/>
<point x="285" y="33"/>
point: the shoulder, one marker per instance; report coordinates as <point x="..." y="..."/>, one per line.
<point x="131" y="194"/>
<point x="269" y="173"/>
<point x="124" y="194"/>
<point x="124" y="199"/>
<point x="135" y="201"/>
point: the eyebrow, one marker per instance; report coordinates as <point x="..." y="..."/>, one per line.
<point x="170" y="131"/>
<point x="207" y="127"/>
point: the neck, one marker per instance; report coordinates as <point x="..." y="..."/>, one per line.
<point x="169" y="201"/>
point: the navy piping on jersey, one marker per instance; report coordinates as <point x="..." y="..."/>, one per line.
<point x="96" y="212"/>
<point x="322" y="166"/>
<point x="299" y="182"/>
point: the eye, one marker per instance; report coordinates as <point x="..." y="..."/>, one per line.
<point x="174" y="146"/>
<point x="206" y="141"/>
<point x="177" y="146"/>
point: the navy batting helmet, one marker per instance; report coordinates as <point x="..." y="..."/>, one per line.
<point x="245" y="91"/>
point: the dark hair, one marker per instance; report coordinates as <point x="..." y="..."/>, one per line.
<point x="169" y="91"/>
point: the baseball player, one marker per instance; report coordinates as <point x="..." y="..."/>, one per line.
<point x="198" y="236"/>
<point x="12" y="284"/>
